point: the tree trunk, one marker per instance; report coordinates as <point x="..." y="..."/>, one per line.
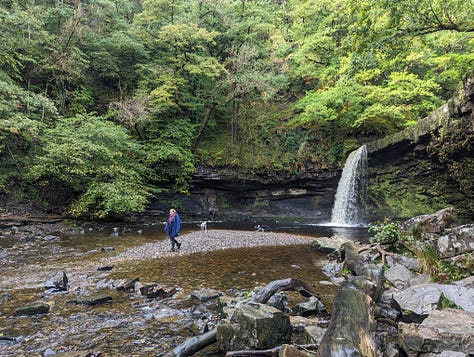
<point x="350" y="330"/>
<point x="195" y="344"/>
<point x="283" y="285"/>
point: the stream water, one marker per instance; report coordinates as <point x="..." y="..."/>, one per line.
<point x="131" y="325"/>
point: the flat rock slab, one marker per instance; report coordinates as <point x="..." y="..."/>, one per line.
<point x="442" y="330"/>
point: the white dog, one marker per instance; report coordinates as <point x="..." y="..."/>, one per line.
<point x="262" y="228"/>
<point x="203" y="226"/>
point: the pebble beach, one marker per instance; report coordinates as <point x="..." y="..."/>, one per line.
<point x="211" y="240"/>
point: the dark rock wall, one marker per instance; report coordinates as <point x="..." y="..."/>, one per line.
<point x="428" y="166"/>
<point x="227" y="194"/>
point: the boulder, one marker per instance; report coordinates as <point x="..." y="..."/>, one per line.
<point x="457" y="241"/>
<point x="399" y="276"/>
<point x="312" y="307"/>
<point x="431" y="223"/>
<point x="417" y="302"/>
<point x="36" y="308"/>
<point x="441" y="331"/>
<point x="57" y="281"/>
<point x="330" y="246"/>
<point x="254" y="326"/>
<point x="411" y="263"/>
<point x="313" y="333"/>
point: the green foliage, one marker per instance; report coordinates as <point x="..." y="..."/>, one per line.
<point x="98" y="161"/>
<point x="389" y="233"/>
<point x="281" y="85"/>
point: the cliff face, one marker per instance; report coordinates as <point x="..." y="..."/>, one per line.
<point x="228" y="194"/>
<point x="428" y="166"/>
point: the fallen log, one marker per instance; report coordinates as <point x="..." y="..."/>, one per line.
<point x="195" y="344"/>
<point x="277" y="286"/>
<point x="350" y="330"/>
<point x="272" y="352"/>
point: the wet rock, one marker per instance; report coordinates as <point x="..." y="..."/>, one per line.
<point x="50" y="237"/>
<point x="442" y="330"/>
<point x="128" y="286"/>
<point x="154" y="291"/>
<point x="32" y="309"/>
<point x="107" y="249"/>
<point x="57" y="281"/>
<point x="105" y="268"/>
<point x="92" y="300"/>
<point x="204" y="295"/>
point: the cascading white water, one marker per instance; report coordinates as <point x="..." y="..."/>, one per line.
<point x="351" y="190"/>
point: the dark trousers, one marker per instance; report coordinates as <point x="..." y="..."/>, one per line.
<point x="173" y="242"/>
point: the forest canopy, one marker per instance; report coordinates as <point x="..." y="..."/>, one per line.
<point x="104" y="103"/>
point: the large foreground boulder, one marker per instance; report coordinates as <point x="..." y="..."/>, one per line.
<point x="442" y="330"/>
<point x="417" y="302"/>
<point x="254" y="326"/>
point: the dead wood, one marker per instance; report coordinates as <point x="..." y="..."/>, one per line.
<point x="272" y="352"/>
<point x="350" y="330"/>
<point x="195" y="344"/>
<point x="277" y="286"/>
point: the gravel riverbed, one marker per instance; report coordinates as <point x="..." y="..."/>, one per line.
<point x="211" y="240"/>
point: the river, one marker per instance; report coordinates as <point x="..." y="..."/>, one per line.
<point x="131" y="325"/>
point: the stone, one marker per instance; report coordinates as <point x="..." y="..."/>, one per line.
<point x="456" y="241"/>
<point x="313" y="334"/>
<point x="278" y="301"/>
<point x="291" y="351"/>
<point x="417" y="302"/>
<point x="399" y="276"/>
<point x="204" y="295"/>
<point x="37" y="308"/>
<point x="92" y="300"/>
<point x="396" y="259"/>
<point x="330" y="246"/>
<point x="441" y="331"/>
<point x="312" y="307"/>
<point x="57" y="281"/>
<point x="254" y="326"/>
<point x="437" y="222"/>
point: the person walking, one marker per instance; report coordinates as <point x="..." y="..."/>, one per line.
<point x="172" y="228"/>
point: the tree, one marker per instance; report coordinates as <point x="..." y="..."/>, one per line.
<point x="97" y="163"/>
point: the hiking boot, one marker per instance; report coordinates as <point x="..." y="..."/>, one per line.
<point x="179" y="245"/>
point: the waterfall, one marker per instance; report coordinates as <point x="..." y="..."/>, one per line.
<point x="351" y="190"/>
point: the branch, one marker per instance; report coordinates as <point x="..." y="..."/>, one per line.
<point x="272" y="352"/>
